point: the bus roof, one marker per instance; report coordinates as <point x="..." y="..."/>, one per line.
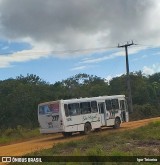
<point x="85" y="99"/>
<point x="93" y="98"/>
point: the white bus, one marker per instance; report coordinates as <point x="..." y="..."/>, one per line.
<point x="82" y="115"/>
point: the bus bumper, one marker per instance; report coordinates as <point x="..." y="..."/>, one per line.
<point x="49" y="131"/>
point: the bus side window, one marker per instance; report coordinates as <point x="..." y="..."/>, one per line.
<point x="122" y="104"/>
<point x="115" y="104"/>
<point x="66" y="110"/>
<point x="94" y="108"/>
<point x="108" y="105"/>
<point x="78" y="109"/>
<point x="101" y="108"/>
<point x="73" y="109"/>
<point x="85" y="107"/>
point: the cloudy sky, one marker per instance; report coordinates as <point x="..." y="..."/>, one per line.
<point x="39" y="37"/>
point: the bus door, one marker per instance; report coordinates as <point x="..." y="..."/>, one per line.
<point x="124" y="111"/>
<point x="102" y="112"/>
<point x="110" y="111"/>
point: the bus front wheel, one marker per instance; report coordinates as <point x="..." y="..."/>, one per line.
<point x="117" y="123"/>
<point x="87" y="128"/>
<point x="67" y="134"/>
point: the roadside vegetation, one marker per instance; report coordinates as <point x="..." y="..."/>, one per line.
<point x="20" y="97"/>
<point x="143" y="141"/>
<point x="17" y="134"/>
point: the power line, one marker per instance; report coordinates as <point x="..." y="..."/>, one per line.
<point x="72" y="51"/>
<point x="143" y="45"/>
<point x="62" y="51"/>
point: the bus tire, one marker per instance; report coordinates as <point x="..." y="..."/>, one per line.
<point x="67" y="134"/>
<point x="97" y="130"/>
<point x="87" y="128"/>
<point x="117" y="123"/>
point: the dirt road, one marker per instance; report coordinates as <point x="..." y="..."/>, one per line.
<point x="23" y="148"/>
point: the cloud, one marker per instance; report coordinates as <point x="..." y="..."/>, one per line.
<point x="80" y="24"/>
<point x="5" y="48"/>
<point x="23" y="56"/>
<point x="110" y="77"/>
<point x="157" y="54"/>
<point x="97" y="60"/>
<point x="152" y="69"/>
<point x="139" y="58"/>
<point x="78" y="68"/>
<point x="131" y="50"/>
<point x="67" y="25"/>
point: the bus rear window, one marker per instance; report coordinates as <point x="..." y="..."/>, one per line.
<point x="44" y="109"/>
<point x="49" y="108"/>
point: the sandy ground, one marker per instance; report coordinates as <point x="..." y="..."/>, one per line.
<point x="22" y="148"/>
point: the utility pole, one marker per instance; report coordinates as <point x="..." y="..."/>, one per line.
<point x="130" y="106"/>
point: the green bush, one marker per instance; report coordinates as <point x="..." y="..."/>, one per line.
<point x="97" y="150"/>
<point x="13" y="134"/>
<point x="144" y="111"/>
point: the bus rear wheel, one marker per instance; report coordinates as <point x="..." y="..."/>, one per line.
<point x="87" y="128"/>
<point x="67" y="134"/>
<point x="117" y="123"/>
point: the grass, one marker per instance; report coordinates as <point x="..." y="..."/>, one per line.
<point x="11" y="135"/>
<point x="144" y="141"/>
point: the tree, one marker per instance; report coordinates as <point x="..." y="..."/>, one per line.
<point x="20" y="97"/>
